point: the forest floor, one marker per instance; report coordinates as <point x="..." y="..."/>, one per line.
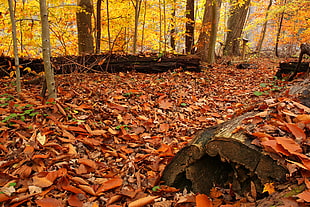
<point x="107" y="138"/>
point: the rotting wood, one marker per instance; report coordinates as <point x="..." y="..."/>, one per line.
<point x="224" y="154"/>
<point x="217" y="156"/>
<point x="109" y="63"/>
<point x="286" y="69"/>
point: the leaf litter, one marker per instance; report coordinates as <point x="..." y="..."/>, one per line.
<point x="107" y="138"/>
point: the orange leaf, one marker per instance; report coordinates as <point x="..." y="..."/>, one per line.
<point x="88" y="163"/>
<point x="49" y="202"/>
<point x="203" y="200"/>
<point x="142" y="201"/>
<point x="164" y="104"/>
<point x="305" y="195"/>
<point x="163" y="127"/>
<point x="110" y="184"/>
<point x="41" y="181"/>
<point x="288" y="144"/>
<point x="73" y="189"/>
<point x="269" y="187"/>
<point x="4" y="197"/>
<point x="87" y="189"/>
<point x="296" y="131"/>
<point x="74" y="200"/>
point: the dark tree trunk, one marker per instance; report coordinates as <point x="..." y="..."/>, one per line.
<point x="98" y="26"/>
<point x="83" y="17"/>
<point x="205" y="31"/>
<point x="189" y="36"/>
<point x="235" y="26"/>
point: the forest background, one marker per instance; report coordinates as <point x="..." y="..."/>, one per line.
<point x="139" y="26"/>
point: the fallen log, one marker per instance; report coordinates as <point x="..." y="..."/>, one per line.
<point x="225" y="154"/>
<point x="107" y="63"/>
<point x="286" y="69"/>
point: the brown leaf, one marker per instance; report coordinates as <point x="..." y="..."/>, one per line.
<point x="203" y="200"/>
<point x="288" y="144"/>
<point x="74" y="200"/>
<point x="72" y="189"/>
<point x="87" y="189"/>
<point x="110" y="184"/>
<point x="49" y="202"/>
<point x="42" y="182"/>
<point x="296" y="131"/>
<point x="142" y="201"/>
<point x="88" y="163"/>
<point x="305" y="195"/>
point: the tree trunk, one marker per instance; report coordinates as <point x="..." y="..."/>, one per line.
<point x="84" y="26"/>
<point x="137" y="7"/>
<point x="205" y="32"/>
<point x="172" y="31"/>
<point x="263" y="33"/>
<point x="235" y="26"/>
<point x="216" y="5"/>
<point x="108" y="22"/>
<point x="16" y="58"/>
<point x="98" y="26"/>
<point x="46" y="48"/>
<point x="189" y="35"/>
<point x="279" y="32"/>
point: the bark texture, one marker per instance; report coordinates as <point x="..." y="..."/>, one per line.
<point x="84" y="26"/>
<point x="235" y="26"/>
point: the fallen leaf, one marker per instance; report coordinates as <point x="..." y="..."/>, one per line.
<point x="305" y="195"/>
<point x="142" y="201"/>
<point x="49" y="202"/>
<point x="269" y="187"/>
<point x="203" y="200"/>
<point x="296" y="131"/>
<point x="110" y="184"/>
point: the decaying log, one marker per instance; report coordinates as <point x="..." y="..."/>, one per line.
<point x="224" y="154"/>
<point x="219" y="155"/>
<point x="289" y="68"/>
<point x="108" y="63"/>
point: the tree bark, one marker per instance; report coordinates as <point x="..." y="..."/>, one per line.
<point x="46" y="47"/>
<point x="98" y="26"/>
<point x="189" y="35"/>
<point x="205" y="32"/>
<point x="216" y="5"/>
<point x="263" y="33"/>
<point x="14" y="37"/>
<point x="137" y="7"/>
<point x="235" y="26"/>
<point x="172" y="31"/>
<point x="84" y="26"/>
<point x="220" y="155"/>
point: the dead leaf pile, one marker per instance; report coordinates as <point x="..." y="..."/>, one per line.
<point x="108" y="137"/>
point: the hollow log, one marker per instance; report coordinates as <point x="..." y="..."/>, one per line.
<point x="219" y="155"/>
<point x="224" y="154"/>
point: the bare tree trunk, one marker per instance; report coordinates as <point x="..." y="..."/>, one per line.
<point x="160" y="26"/>
<point x="214" y="26"/>
<point x="172" y="31"/>
<point x="263" y="33"/>
<point x="279" y="32"/>
<point x="46" y="48"/>
<point x="189" y="36"/>
<point x="108" y="19"/>
<point x="143" y="28"/>
<point x="12" y="15"/>
<point x="235" y="26"/>
<point x="205" y="31"/>
<point x="98" y="26"/>
<point x="83" y="17"/>
<point x="137" y="6"/>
